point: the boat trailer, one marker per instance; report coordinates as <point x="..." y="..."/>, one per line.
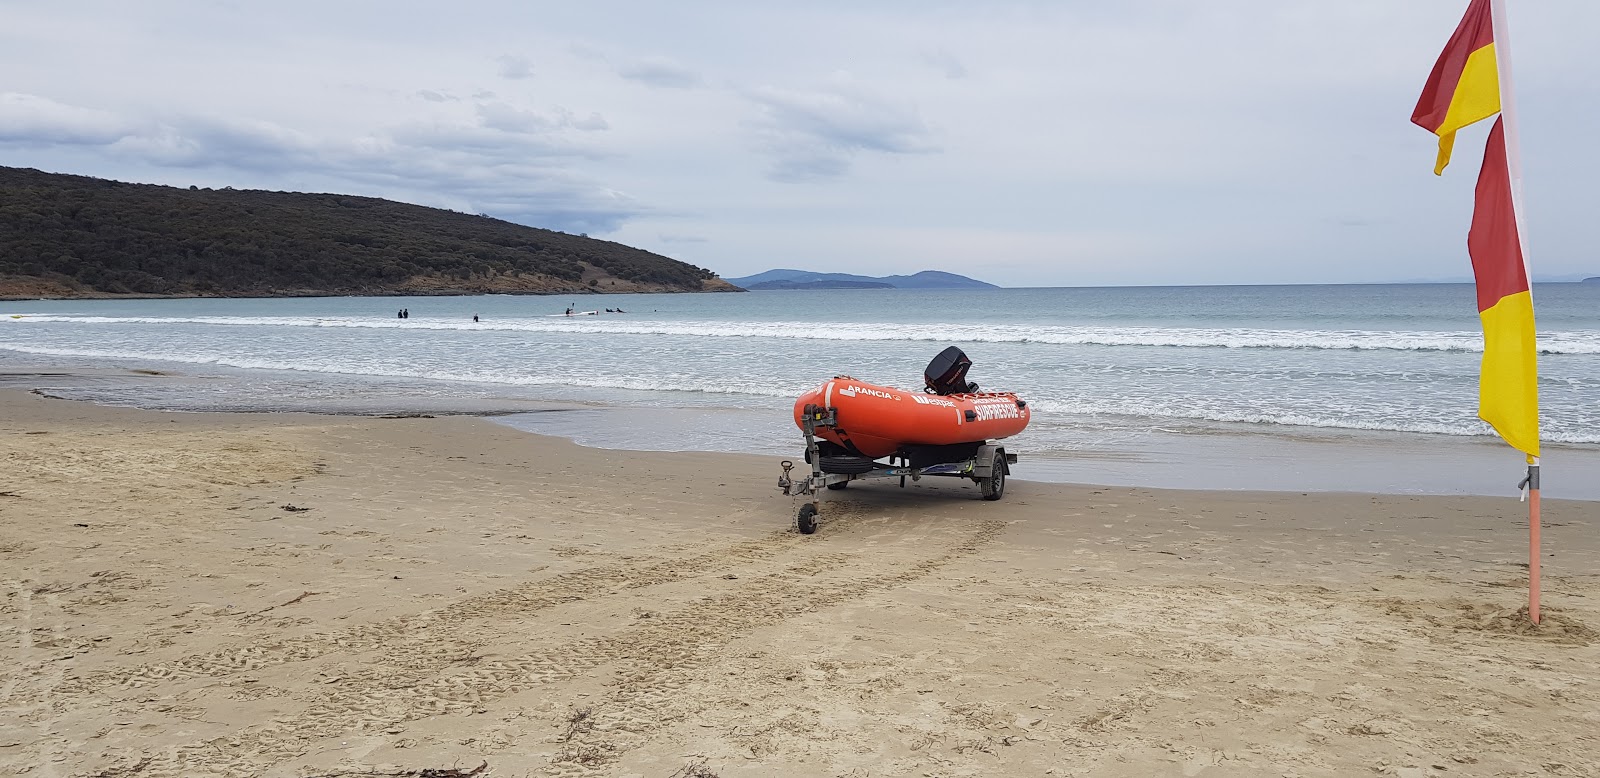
<point x="988" y="465"/>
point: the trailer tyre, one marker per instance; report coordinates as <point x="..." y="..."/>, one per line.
<point x="993" y="486"/>
<point x="806" y="521"/>
<point x="846" y="464"/>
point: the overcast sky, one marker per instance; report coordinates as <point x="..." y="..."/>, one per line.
<point x="1027" y="144"/>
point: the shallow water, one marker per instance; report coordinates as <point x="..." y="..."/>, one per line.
<point x="1145" y="385"/>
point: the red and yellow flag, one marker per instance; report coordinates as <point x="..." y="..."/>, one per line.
<point x="1508" y="386"/>
<point x="1464" y="86"/>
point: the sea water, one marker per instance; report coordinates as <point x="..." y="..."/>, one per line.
<point x="1359" y="387"/>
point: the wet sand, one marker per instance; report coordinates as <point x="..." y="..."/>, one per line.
<point x="293" y="595"/>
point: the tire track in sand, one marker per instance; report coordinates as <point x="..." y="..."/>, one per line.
<point x="519" y="601"/>
<point x="645" y="697"/>
<point x="30" y="681"/>
<point x="376" y="698"/>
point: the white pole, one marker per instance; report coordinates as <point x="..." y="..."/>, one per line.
<point x="1508" y="116"/>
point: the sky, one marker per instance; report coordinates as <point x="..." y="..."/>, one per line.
<point x="1023" y="143"/>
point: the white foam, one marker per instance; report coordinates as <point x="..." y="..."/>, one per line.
<point x="710" y="385"/>
<point x="1045" y="407"/>
<point x="1564" y="342"/>
<point x="1352" y="419"/>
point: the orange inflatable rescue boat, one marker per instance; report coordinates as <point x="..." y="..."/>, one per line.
<point x="876" y="421"/>
<point x="949" y="429"/>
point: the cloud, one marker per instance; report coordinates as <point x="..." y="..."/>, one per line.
<point x="812" y="134"/>
<point x="506" y="161"/>
<point x="232" y="135"/>
<point x="241" y="144"/>
<point x="516" y="177"/>
<point x="514" y="67"/>
<point x="665" y="238"/>
<point x="520" y="177"/>
<point x="797" y="162"/>
<point x="189" y="141"/>
<point x="508" y="118"/>
<point x="482" y="143"/>
<point x="945" y="63"/>
<point x="594" y="122"/>
<point x="162" y="145"/>
<point x="30" y="119"/>
<point x="660" y="73"/>
<point x="522" y="192"/>
<point x="1073" y="124"/>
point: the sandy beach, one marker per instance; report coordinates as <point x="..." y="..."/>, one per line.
<point x="302" y="595"/>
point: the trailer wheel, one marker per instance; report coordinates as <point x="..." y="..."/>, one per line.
<point x="993" y="487"/>
<point x="846" y="464"/>
<point x="840" y="485"/>
<point x="806" y="521"/>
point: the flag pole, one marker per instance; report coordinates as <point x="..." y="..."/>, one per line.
<point x="1508" y="116"/>
<point x="1533" y="539"/>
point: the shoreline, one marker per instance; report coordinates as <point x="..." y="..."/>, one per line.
<point x="271" y="594"/>
<point x="1358" y="462"/>
<point x="1313" y="460"/>
<point x="584" y="291"/>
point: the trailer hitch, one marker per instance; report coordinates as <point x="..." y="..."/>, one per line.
<point x="789" y="485"/>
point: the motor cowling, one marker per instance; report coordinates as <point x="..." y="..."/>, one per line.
<point x="947" y="373"/>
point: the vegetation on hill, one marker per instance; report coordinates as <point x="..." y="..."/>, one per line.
<point x="73" y="236"/>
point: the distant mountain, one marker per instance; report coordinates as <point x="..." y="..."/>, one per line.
<point x="807" y="279"/>
<point x="822" y="284"/>
<point x="1595" y="280"/>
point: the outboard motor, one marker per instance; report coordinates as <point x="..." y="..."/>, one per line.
<point x="947" y="373"/>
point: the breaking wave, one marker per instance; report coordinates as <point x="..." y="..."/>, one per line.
<point x="1365" y="422"/>
<point x="1051" y="411"/>
<point x="1566" y="342"/>
<point x="709" y="385"/>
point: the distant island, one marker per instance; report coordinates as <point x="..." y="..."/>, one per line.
<point x="1595" y="280"/>
<point x="65" y="236"/>
<point x="806" y="279"/>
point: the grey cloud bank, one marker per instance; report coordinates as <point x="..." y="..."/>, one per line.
<point x="662" y="73"/>
<point x="1154" y="142"/>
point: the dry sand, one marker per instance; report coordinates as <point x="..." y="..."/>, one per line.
<point x="445" y="593"/>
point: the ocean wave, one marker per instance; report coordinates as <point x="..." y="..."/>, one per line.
<point x="710" y="385"/>
<point x="1353" y="419"/>
<point x="1050" y="411"/>
<point x="1550" y="343"/>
